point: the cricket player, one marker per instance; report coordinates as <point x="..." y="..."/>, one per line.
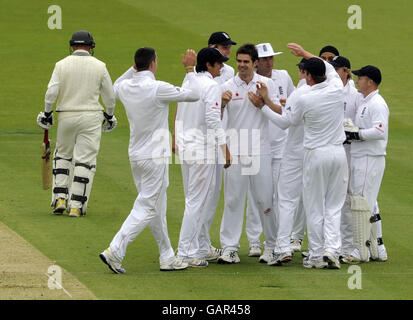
<point x="368" y="137"/>
<point x="249" y="144"/>
<point x="325" y="172"/>
<point x="223" y="42"/>
<point x="77" y="82"/>
<point x="290" y="178"/>
<point x="284" y="87"/>
<point x="146" y="101"/>
<point x="351" y="98"/>
<point x="199" y="138"/>
<point x="327" y="53"/>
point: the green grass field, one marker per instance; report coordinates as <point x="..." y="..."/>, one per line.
<point x="28" y="52"/>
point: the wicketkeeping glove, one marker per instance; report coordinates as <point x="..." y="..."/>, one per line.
<point x="352" y="132"/>
<point x="45" y="120"/>
<point x="109" y="123"/>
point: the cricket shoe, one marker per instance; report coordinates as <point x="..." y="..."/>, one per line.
<point x="267" y="255"/>
<point x="108" y="258"/>
<point x="255" y="251"/>
<point x="296" y="245"/>
<point x="174" y="264"/>
<point x="229" y="257"/>
<point x="279" y="258"/>
<point x="213" y="254"/>
<point x="332" y="261"/>
<point x="353" y="258"/>
<point x="197" y="263"/>
<point x="74" y="212"/>
<point x="309" y="264"/>
<point x="60" y="206"/>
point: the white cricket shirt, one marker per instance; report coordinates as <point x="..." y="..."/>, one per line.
<point x="372" y="118"/>
<point x="322" y="110"/>
<point x="247" y="126"/>
<point x="198" y="128"/>
<point x="146" y="101"/>
<point x="283" y="87"/>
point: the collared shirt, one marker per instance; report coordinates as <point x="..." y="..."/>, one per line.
<point x="247" y="126"/>
<point x="146" y="102"/>
<point x="106" y="90"/>
<point x="372" y="118"/>
<point x="283" y="87"/>
<point x="322" y="111"/>
<point x="198" y="128"/>
<point x="227" y="72"/>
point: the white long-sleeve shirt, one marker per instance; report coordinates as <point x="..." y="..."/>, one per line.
<point x="146" y="101"/>
<point x="372" y="118"/>
<point x="247" y="126"/>
<point x="198" y="127"/>
<point x="78" y="80"/>
<point x="284" y="86"/>
<point x="321" y="108"/>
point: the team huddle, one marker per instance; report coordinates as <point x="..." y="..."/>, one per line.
<point x="304" y="160"/>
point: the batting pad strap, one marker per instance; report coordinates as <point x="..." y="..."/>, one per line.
<point x="375" y="217"/>
<point x="80" y="179"/>
<point x="60" y="190"/>
<point x="61" y="171"/>
<point x="85" y="165"/>
<point x="379" y="241"/>
<point x="81" y="199"/>
<point x="59" y="158"/>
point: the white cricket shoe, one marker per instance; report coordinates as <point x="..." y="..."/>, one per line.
<point x="332" y="261"/>
<point x="113" y="264"/>
<point x="173" y="264"/>
<point x="382" y="253"/>
<point x="229" y="257"/>
<point x="213" y="254"/>
<point x="267" y="255"/>
<point x="197" y="263"/>
<point x="307" y="263"/>
<point x="296" y="245"/>
<point x="255" y="251"/>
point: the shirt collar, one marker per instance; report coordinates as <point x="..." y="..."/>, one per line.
<point x="80" y="52"/>
<point x="320" y="85"/>
<point x="144" y="73"/>
<point x="206" y="74"/>
<point x="239" y="82"/>
<point x="371" y="95"/>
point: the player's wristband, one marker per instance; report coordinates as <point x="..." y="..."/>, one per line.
<point x="189" y="67"/>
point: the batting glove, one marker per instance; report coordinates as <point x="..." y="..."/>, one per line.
<point x="45" y="120"/>
<point x="109" y="123"/>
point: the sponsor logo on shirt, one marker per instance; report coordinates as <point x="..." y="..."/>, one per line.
<point x="237" y="97"/>
<point x="281" y="90"/>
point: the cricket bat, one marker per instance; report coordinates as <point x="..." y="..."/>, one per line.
<point x="46" y="162"/>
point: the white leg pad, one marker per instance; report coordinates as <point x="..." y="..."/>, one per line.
<point x="361" y="215"/>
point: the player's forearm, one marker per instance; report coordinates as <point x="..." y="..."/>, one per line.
<point x="375" y="133"/>
<point x="50" y="98"/>
<point x="273" y="106"/>
<point x="279" y="120"/>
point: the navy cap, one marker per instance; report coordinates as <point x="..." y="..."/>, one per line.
<point x="301" y="64"/>
<point x="210" y="55"/>
<point x="220" y="37"/>
<point x="371" y="72"/>
<point x="339" y="62"/>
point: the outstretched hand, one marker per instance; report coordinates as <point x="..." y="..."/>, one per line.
<point x="189" y="58"/>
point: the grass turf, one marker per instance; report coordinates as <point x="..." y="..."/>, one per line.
<point x="29" y="50"/>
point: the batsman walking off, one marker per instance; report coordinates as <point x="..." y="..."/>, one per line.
<point x="77" y="82"/>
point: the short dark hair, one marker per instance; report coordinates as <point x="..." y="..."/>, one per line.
<point x="249" y="49"/>
<point x="143" y="58"/>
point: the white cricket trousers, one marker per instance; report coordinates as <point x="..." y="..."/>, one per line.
<point x="346" y="215"/>
<point x="325" y="179"/>
<point x="366" y="176"/>
<point x="247" y="172"/>
<point x="151" y="180"/>
<point x="77" y="141"/>
<point x="253" y="226"/>
<point x="290" y="191"/>
<point x="199" y="182"/>
<point x="204" y="236"/>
